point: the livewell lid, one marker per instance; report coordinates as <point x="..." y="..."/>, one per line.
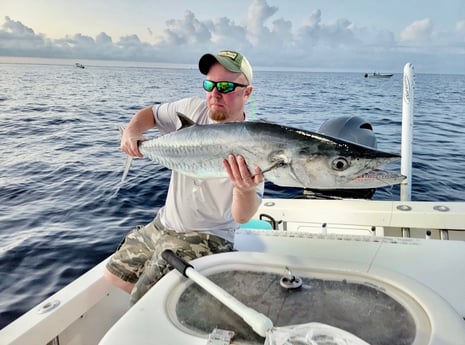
<point x="358" y="308"/>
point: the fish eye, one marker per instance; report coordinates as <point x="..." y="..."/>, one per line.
<point x="340" y="164"/>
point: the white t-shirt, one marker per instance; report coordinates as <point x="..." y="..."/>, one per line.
<point x="195" y="204"/>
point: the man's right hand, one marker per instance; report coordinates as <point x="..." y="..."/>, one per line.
<point x="130" y="142"/>
<point x="132" y="135"/>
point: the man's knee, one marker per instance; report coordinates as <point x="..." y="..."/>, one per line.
<point x="117" y="281"/>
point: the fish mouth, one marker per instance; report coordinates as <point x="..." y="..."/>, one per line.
<point x="374" y="179"/>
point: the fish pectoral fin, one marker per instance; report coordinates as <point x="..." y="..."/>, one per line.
<point x="275" y="165"/>
<point x="185" y="121"/>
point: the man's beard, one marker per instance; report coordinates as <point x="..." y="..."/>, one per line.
<point x="218" y="115"/>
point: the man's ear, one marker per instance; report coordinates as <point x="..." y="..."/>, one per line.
<point x="248" y="91"/>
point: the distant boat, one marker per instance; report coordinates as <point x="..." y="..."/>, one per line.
<point x="79" y="65"/>
<point x="378" y="75"/>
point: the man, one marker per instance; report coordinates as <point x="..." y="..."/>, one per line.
<point x="199" y="216"/>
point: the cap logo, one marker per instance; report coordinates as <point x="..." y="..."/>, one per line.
<point x="229" y="54"/>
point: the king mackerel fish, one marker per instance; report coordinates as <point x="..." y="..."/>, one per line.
<point x="288" y="157"/>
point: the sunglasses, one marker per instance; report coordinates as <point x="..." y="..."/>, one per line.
<point x="221" y="86"/>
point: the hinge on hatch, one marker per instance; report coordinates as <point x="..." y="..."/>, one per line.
<point x="220" y="337"/>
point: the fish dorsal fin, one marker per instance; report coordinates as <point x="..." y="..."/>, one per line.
<point x="185" y="121"/>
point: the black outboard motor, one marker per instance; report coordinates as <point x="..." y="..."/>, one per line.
<point x="353" y="129"/>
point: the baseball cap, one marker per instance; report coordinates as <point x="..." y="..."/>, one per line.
<point x="231" y="60"/>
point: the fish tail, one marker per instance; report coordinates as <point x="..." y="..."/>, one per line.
<point x="127" y="166"/>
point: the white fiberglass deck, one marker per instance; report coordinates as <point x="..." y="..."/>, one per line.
<point x="398" y="268"/>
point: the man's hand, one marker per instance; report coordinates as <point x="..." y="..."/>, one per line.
<point x="245" y="201"/>
<point x="130" y="142"/>
<point x="142" y="121"/>
<point x="239" y="174"/>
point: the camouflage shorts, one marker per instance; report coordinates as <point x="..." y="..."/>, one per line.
<point x="138" y="258"/>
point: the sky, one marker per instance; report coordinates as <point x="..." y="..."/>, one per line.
<point x="327" y="35"/>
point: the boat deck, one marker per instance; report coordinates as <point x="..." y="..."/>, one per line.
<point x="434" y="220"/>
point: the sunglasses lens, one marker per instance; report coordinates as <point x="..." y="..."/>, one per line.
<point x="225" y="86"/>
<point x="208" y="85"/>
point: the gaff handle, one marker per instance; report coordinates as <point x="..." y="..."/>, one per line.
<point x="178" y="263"/>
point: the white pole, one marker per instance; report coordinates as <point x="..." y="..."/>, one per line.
<point x="259" y="322"/>
<point x="407" y="132"/>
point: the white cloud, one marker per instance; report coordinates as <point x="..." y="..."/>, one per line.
<point x="266" y="39"/>
<point x="16" y="28"/>
<point x="17" y="39"/>
<point x="103" y="40"/>
<point x="418" y="32"/>
<point x="186" y="31"/>
<point x="258" y="14"/>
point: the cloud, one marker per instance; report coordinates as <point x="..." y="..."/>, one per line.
<point x="17" y="28"/>
<point x="258" y="14"/>
<point x="419" y="32"/>
<point x="17" y="39"/>
<point x="316" y="33"/>
<point x="266" y="39"/>
<point x="186" y="31"/>
<point x="103" y="39"/>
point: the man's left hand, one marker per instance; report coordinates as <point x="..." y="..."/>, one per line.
<point x="240" y="175"/>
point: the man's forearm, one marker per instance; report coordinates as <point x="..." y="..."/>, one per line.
<point x="244" y="205"/>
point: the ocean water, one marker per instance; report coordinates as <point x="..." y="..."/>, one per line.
<point x="62" y="209"/>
